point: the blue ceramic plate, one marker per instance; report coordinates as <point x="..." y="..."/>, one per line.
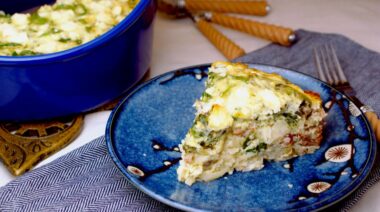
<point x="144" y="130"/>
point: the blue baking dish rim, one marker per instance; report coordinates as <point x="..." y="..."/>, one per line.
<point x="82" y="49"/>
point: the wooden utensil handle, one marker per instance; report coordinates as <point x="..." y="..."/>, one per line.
<point x="226" y="46"/>
<point x="259" y="8"/>
<point x="278" y="34"/>
<point x="375" y="124"/>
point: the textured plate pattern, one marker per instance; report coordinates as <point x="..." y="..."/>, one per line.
<point x="145" y="129"/>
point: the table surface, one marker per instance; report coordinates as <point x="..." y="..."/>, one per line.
<point x="177" y="43"/>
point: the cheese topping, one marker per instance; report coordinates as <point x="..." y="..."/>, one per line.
<point x="219" y="118"/>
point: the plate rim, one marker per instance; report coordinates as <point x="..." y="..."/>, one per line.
<point x="120" y="166"/>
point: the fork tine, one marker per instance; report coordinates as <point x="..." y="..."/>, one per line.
<point x="317" y="59"/>
<point x="341" y="77"/>
<point x="332" y="69"/>
<point x="325" y="67"/>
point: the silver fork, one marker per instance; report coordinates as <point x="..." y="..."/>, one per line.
<point x="330" y="71"/>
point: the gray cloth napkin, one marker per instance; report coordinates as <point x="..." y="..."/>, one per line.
<point x="87" y="180"/>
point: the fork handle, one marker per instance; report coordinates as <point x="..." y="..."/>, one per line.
<point x="375" y="124"/>
<point x="226" y="46"/>
<point x="259" y="8"/>
<point x="277" y="34"/>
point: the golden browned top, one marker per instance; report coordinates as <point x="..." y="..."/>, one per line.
<point x="240" y="69"/>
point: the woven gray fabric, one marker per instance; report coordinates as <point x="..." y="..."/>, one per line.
<point x="87" y="180"/>
<point x="83" y="180"/>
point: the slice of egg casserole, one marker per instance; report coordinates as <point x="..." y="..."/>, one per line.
<point x="246" y="116"/>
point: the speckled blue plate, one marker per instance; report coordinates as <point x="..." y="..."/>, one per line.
<point x="144" y="130"/>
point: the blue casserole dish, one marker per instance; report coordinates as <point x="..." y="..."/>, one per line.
<point x="79" y="79"/>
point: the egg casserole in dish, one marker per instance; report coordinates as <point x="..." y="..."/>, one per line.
<point x="61" y="26"/>
<point x="246" y="116"/>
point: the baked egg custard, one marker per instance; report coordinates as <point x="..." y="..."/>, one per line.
<point x="246" y="116"/>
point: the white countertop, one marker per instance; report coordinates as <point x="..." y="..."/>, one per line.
<point x="177" y="43"/>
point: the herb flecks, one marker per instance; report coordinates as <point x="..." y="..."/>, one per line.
<point x="291" y="119"/>
<point x="35" y="18"/>
<point x="258" y="148"/>
<point x="78" y="9"/>
<point x="25" y="53"/>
